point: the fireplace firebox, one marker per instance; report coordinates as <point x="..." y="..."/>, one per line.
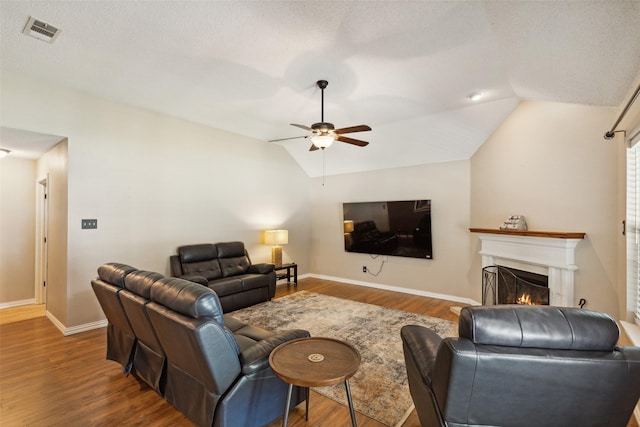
<point x="504" y="285"/>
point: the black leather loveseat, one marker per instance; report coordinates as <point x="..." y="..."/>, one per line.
<point x="525" y="366"/>
<point x="171" y="334"/>
<point x="227" y="269"/>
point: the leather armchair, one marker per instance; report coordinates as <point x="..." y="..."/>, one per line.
<point x="523" y="366"/>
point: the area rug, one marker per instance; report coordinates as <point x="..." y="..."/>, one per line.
<point x="380" y="388"/>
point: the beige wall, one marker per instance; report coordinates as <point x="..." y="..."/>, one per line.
<point x="53" y="167"/>
<point x="549" y="162"/>
<point x="446" y="184"/>
<point x="154" y="182"/>
<point x="17" y="229"/>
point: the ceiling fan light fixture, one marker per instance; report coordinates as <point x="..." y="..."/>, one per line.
<point x="322" y="141"/>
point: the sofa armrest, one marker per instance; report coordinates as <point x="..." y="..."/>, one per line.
<point x="195" y="278"/>
<point x="421" y="345"/>
<point x="256" y="357"/>
<point x="262" y="268"/>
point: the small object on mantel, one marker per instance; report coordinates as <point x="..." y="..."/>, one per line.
<point x="514" y="222"/>
<point x="530" y="233"/>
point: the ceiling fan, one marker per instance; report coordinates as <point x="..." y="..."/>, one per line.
<point x="323" y="133"/>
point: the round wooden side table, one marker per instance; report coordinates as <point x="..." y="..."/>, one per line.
<point x="315" y="362"/>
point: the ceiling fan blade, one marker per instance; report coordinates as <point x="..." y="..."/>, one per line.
<point x="301" y="126"/>
<point x="357" y="142"/>
<point x="359" y="128"/>
<point x="285" y="139"/>
<point x="313" y="147"/>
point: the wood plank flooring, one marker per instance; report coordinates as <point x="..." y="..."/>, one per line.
<point x="17" y="314"/>
<point x="47" y="379"/>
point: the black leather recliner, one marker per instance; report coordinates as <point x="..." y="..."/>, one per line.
<point x="121" y="339"/>
<point x="172" y="334"/>
<point x="227" y="269"/>
<point x="523" y="366"/>
<point x="149" y="359"/>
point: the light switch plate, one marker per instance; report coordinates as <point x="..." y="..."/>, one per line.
<point x="89" y="223"/>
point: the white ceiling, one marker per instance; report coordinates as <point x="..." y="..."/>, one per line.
<point x="405" y="68"/>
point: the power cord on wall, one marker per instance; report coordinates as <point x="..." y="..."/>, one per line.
<point x="368" y="270"/>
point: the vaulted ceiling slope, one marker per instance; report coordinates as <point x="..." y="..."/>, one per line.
<point x="406" y="68"/>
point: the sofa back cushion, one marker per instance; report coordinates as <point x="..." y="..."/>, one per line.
<point x="560" y="328"/>
<point x="114" y="273"/>
<point x="140" y="282"/>
<point x="201" y="260"/>
<point x="233" y="258"/>
<point x="187" y="298"/>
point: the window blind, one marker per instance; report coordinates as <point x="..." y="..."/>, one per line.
<point x="633" y="225"/>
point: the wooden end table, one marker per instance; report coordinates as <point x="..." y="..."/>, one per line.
<point x="291" y="266"/>
<point x="315" y="362"/>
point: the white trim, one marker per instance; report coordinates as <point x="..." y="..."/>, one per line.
<point x="75" y="329"/>
<point x="397" y="289"/>
<point x="17" y="303"/>
<point x="632" y="332"/>
<point x="556" y="255"/>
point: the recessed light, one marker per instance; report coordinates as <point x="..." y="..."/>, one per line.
<point x="476" y="96"/>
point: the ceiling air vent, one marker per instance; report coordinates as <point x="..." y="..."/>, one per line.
<point x="41" y="30"/>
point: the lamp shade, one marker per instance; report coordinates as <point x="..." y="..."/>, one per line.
<point x="276" y="237"/>
<point x="348" y="226"/>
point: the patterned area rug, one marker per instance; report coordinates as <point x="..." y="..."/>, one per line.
<point x="379" y="389"/>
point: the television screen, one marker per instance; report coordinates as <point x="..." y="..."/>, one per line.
<point x="396" y="228"/>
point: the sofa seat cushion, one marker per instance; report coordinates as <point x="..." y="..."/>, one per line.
<point x="224" y="287"/>
<point x="253" y="281"/>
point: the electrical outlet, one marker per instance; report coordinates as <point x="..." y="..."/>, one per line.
<point x="89" y="223"/>
<point x="364" y="268"/>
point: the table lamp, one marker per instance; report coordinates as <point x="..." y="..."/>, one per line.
<point x="276" y="238"/>
<point x="348" y="229"/>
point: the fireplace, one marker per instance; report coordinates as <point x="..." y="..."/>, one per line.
<point x="504" y="285"/>
<point x="548" y="253"/>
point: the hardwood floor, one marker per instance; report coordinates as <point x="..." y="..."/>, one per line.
<point x="17" y="314"/>
<point x="47" y="379"/>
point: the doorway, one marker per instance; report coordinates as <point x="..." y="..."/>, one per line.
<point x="42" y="227"/>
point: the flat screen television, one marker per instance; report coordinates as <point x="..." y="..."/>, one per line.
<point x="396" y="228"/>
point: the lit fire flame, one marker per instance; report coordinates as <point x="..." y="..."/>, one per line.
<point x="525" y="299"/>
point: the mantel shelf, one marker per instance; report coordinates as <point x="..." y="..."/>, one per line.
<point x="547" y="234"/>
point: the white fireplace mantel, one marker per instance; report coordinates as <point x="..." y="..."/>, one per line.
<point x="553" y="251"/>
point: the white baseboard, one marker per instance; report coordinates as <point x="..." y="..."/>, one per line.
<point x="446" y="297"/>
<point x="75" y="329"/>
<point x="17" y="303"/>
<point x="103" y="323"/>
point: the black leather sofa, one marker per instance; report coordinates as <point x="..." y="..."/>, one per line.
<point x="525" y="366"/>
<point x="172" y="334"/>
<point x="368" y="239"/>
<point x="227" y="269"/>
